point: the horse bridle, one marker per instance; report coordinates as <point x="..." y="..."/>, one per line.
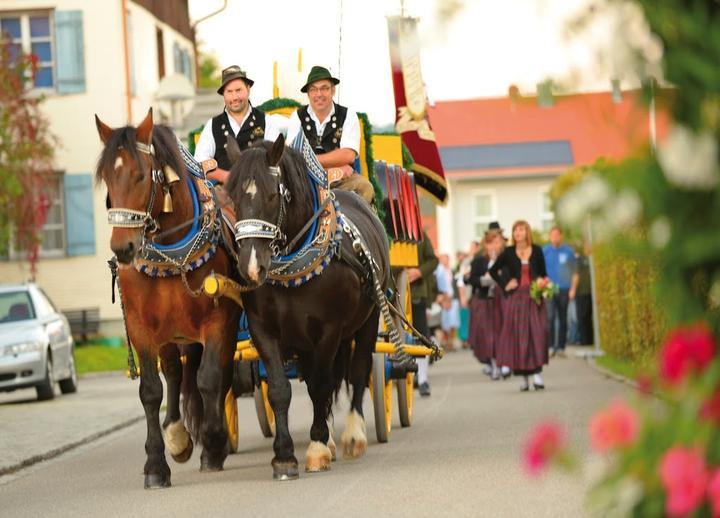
<point x="261" y="229"/>
<point x="131" y="218"/>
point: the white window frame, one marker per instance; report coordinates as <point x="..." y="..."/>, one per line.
<point x="26" y="42"/>
<point x="546" y="216"/>
<point x="476" y="220"/>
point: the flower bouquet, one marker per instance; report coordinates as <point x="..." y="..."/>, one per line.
<point x="542" y="288"/>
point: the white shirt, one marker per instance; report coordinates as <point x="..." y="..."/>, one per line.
<point x="205" y="148"/>
<point x="350" y="138"/>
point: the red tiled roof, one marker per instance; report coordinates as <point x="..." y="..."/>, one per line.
<point x="593" y="123"/>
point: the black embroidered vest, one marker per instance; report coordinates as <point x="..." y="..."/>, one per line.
<point x="330" y="139"/>
<point x="252" y="130"/>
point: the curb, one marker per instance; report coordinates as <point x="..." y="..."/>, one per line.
<point x="101" y="374"/>
<point x="7" y="470"/>
<point x="609" y="374"/>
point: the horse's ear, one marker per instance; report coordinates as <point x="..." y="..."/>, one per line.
<point x="233" y="149"/>
<point x="276" y="152"/>
<point x="104" y="131"/>
<point x="144" y="131"/>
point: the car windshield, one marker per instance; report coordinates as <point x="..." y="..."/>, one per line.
<point x="15" y="306"/>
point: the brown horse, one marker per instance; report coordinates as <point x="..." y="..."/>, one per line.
<point x="142" y="167"/>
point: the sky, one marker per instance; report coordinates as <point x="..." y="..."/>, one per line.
<point x="470" y="48"/>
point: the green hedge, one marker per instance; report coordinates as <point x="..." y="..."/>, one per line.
<point x="631" y="323"/>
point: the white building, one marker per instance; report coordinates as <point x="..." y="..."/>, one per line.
<point x="102" y="57"/>
<point x="501" y="155"/>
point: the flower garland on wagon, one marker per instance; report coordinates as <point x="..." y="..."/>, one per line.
<point x="660" y="449"/>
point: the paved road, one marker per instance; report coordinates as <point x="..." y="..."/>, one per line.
<point x="460" y="458"/>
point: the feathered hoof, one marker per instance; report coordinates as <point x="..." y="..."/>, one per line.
<point x="285" y="470"/>
<point x="157" y="480"/>
<point x="318" y="457"/>
<point x="208" y="465"/>
<point x="354" y="448"/>
<point x="333" y="449"/>
<point x="184" y="455"/>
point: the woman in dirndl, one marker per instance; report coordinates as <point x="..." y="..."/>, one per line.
<point x="524" y="324"/>
<point x="485" y="310"/>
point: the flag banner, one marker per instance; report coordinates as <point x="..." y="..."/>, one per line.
<point x="411" y="118"/>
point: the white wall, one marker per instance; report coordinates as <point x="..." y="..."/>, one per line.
<point x="84" y="281"/>
<point x="517" y="198"/>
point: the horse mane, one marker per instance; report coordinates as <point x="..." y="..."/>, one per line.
<point x="164" y="142"/>
<point x="253" y="164"/>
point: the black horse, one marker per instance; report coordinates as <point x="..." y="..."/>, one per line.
<point x="317" y="321"/>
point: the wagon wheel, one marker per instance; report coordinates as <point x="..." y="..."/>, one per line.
<point x="266" y="416"/>
<point x="405" y="399"/>
<point x="231" y="419"/>
<point x="405" y="388"/>
<point x="381" y="390"/>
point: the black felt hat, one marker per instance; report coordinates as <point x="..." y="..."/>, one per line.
<point x="234" y="72"/>
<point x="318" y="73"/>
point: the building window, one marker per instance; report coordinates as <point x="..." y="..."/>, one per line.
<point x="547" y="216"/>
<point x="484" y="211"/>
<point x="53" y="232"/>
<point x="32" y="34"/>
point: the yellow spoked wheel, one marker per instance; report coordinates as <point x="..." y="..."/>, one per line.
<point x="266" y="416"/>
<point x="405" y="399"/>
<point x="231" y="419"/>
<point x="381" y="390"/>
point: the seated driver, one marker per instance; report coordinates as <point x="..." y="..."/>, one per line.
<point x="333" y="131"/>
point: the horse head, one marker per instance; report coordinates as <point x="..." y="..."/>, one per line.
<point x="126" y="166"/>
<point x="258" y="189"/>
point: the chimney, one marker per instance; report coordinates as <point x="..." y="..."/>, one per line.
<point x="544" y="94"/>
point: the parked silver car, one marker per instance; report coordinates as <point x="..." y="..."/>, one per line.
<point x="36" y="346"/>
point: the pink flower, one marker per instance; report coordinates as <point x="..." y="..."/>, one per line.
<point x="714" y="492"/>
<point x="685" y="478"/>
<point x="614" y="427"/>
<point x="710" y="410"/>
<point x="544" y="443"/>
<point x="542" y="282"/>
<point x="686" y="349"/>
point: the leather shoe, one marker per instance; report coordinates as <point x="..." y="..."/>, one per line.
<point x="424" y="389"/>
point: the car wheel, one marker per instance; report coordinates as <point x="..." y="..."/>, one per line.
<point x="69" y="385"/>
<point x="46" y="389"/>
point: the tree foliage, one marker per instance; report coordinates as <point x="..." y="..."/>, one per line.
<point x="26" y="153"/>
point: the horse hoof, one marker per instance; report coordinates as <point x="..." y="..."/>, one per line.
<point x="210" y="466"/>
<point x="354" y="449"/>
<point x="317" y="465"/>
<point x="287" y="470"/>
<point x="185" y="455"/>
<point x="156" y="481"/>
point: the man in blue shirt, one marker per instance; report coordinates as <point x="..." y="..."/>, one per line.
<point x="562" y="270"/>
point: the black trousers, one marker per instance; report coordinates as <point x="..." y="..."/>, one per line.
<point x="419" y="316"/>
<point x="583" y="305"/>
<point x="558" y="309"/>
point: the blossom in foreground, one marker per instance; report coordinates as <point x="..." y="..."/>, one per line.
<point x="544" y="444"/>
<point x="687" y="349"/>
<point x="614" y="427"/>
<point x="684" y="477"/>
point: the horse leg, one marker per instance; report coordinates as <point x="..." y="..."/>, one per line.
<point x="157" y="471"/>
<point x="320" y="383"/>
<point x="177" y="438"/>
<point x="284" y="463"/>
<point x="354" y="437"/>
<point x="214" y="377"/>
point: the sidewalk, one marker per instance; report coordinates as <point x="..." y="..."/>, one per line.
<point x="32" y="431"/>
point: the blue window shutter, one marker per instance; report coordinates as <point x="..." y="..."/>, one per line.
<point x="69" y="52"/>
<point x="79" y="217"/>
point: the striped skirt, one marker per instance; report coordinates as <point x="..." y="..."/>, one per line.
<point x="524" y="333"/>
<point x="485" y="322"/>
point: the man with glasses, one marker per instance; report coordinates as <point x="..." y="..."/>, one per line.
<point x="333" y="132"/>
<point x="247" y="124"/>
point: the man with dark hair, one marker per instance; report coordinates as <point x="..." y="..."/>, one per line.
<point x="247" y="124"/>
<point x="333" y="132"/>
<point x="561" y="268"/>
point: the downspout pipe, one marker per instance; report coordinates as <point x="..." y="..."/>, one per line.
<point x="126" y="52"/>
<point x="193" y="26"/>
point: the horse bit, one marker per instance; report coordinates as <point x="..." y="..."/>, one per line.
<point x="259" y="228"/>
